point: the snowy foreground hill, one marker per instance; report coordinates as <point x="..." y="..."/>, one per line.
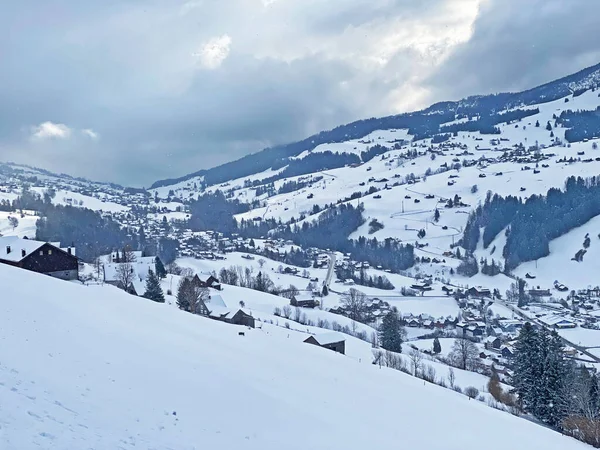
<point x="90" y="367"/>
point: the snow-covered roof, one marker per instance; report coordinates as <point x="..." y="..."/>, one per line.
<point x="17" y="246"/>
<point x="140" y="268"/>
<point x="329" y="338"/>
<point x="216" y="300"/>
<point x="554" y="320"/>
<point x="218" y="311"/>
<point x="139" y="286"/>
<point x="303" y="297"/>
<point x="21" y="248"/>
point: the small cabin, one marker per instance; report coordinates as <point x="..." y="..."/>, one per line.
<point x="332" y="341"/>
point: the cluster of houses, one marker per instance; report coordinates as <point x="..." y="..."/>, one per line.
<point x="428" y="322"/>
<point x="375" y="309"/>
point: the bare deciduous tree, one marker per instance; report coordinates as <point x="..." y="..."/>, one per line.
<point x="229" y="276"/>
<point x="471" y="392"/>
<point x="287" y="311"/>
<point x="125" y="275"/>
<point x="199" y="296"/>
<point x="416" y="360"/>
<point x="174" y="269"/>
<point x="13" y="222"/>
<point x="464" y="354"/>
<point x="428" y="373"/>
<point x="99" y="268"/>
<point x="355" y="302"/>
<point x="451" y="377"/>
<point x="290" y="292"/>
<point x="128" y="255"/>
<point x="187" y="272"/>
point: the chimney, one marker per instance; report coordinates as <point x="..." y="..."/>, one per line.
<point x="23" y="253"/>
<point x="8" y="249"/>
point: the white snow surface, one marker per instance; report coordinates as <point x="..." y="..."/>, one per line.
<point x="90" y="367"/>
<point x="27" y="224"/>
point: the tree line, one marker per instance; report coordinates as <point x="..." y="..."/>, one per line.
<point x="554" y="388"/>
<point x="531" y="224"/>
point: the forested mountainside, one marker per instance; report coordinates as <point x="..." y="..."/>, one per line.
<point x="488" y="109"/>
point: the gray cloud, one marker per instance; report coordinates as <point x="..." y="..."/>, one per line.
<point x="160" y="97"/>
<point x="517" y="45"/>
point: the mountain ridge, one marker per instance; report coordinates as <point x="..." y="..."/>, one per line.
<point x="426" y="122"/>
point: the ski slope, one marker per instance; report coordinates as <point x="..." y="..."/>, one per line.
<point x="90" y="367"/>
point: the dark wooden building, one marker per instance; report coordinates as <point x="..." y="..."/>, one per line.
<point x="210" y="282"/>
<point x="40" y="257"/>
<point x="332" y="341"/>
<point x="232" y="316"/>
<point x="303" y="301"/>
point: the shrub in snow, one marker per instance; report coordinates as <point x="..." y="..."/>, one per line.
<point x="471" y="392"/>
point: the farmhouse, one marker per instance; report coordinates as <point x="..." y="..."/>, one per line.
<point x="303" y="301"/>
<point x="41" y="257"/>
<point x="332" y="341"/>
<point x="235" y="316"/>
<point x="539" y="292"/>
<point x="479" y="292"/>
<point x="421" y="286"/>
<point x="210" y="282"/>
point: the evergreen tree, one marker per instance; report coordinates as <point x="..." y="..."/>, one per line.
<point x="537" y="123"/>
<point x="183" y="297"/>
<point x="522" y="296"/>
<point x="527" y="367"/>
<point x="391" y="332"/>
<point x="436" y="215"/>
<point x="548" y="126"/>
<point x="594" y="395"/>
<point x="542" y="375"/>
<point x="552" y="401"/>
<point x="153" y="289"/>
<point x="437" y="347"/>
<point x="161" y="272"/>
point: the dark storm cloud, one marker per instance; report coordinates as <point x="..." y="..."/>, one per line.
<point x="132" y="91"/>
<point x="521" y="44"/>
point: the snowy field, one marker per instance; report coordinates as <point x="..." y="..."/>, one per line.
<point x="434" y="303"/>
<point x="64" y="197"/>
<point x="92" y="367"/>
<point x="26" y="226"/>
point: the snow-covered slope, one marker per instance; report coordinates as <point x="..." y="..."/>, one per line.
<point x="468" y="165"/>
<point x="25" y="228"/>
<point x="92" y="367"/>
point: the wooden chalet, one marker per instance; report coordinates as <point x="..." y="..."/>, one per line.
<point x="41" y="257"/>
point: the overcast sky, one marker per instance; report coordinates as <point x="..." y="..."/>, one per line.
<point x="132" y="91"/>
